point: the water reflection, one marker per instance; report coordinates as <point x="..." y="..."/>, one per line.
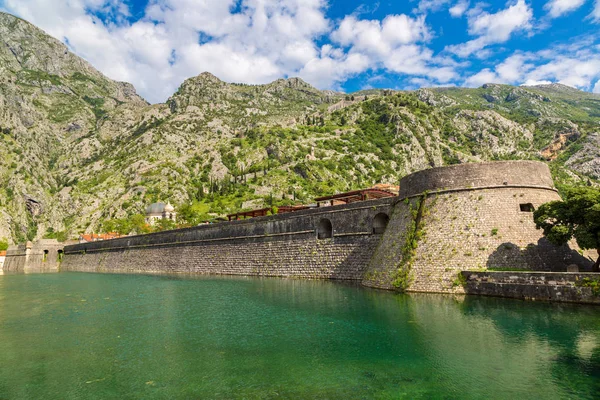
<point x="109" y="336"/>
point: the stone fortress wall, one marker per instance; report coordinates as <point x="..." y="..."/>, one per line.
<point x="42" y="256"/>
<point x="285" y="245"/>
<point x="446" y="220"/>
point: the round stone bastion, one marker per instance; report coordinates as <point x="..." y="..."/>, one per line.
<point x="468" y="217"/>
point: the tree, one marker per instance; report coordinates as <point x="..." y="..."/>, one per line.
<point x="577" y="216"/>
<point x="200" y="192"/>
<point x="123" y="226"/>
<point x="109" y="225"/>
<point x="3" y="244"/>
<point x="164" y="224"/>
<point x="139" y="225"/>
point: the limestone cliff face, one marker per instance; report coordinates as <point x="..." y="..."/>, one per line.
<point x="52" y="106"/>
<point x="77" y="148"/>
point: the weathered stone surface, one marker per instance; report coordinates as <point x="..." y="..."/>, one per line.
<point x="279" y="245"/>
<point x="563" y="286"/>
<point x="41" y="256"/>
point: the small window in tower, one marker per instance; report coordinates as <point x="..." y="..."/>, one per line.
<point x="527" y="207"/>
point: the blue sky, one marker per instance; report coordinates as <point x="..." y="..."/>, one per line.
<point x="344" y="45"/>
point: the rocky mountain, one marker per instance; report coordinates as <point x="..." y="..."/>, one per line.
<point x="77" y="148"/>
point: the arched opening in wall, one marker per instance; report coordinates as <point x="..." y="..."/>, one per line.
<point x="45" y="256"/>
<point x="527" y="207"/>
<point x="380" y="223"/>
<point x="325" y="229"/>
<point x="61" y="253"/>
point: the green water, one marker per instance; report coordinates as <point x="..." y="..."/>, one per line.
<point x="93" y="336"/>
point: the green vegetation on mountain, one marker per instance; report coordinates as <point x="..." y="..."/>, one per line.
<point x="79" y="151"/>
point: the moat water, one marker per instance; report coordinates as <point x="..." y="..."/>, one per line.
<point x="95" y="336"/>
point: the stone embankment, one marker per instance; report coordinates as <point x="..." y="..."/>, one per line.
<point x="571" y="287"/>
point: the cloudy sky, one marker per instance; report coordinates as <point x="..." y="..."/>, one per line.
<point x="345" y="45"/>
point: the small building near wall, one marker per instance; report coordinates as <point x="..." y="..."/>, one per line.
<point x="158" y="211"/>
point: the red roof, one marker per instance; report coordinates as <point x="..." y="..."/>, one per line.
<point x="287" y="209"/>
<point x="377" y="192"/>
<point x="2" y="253"/>
<point x="94" y="237"/>
<point x="357" y="195"/>
<point x="245" y="214"/>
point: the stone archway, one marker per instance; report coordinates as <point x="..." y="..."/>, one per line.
<point x="380" y="222"/>
<point x="325" y="229"/>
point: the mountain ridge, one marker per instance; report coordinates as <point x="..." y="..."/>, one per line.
<point x="78" y="149"/>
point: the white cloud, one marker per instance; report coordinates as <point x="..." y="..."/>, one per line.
<point x="373" y="36"/>
<point x="459" y="8"/>
<point x="431" y="5"/>
<point x="513" y="68"/>
<point x="395" y="44"/>
<point x="482" y="77"/>
<point x="334" y="67"/>
<point x="266" y="40"/>
<point x="577" y="65"/>
<point x="595" y="15"/>
<point x="571" y="71"/>
<point x="494" y="28"/>
<point x="597" y="87"/>
<point x="531" y="82"/>
<point x="557" y="8"/>
<point x="409" y="59"/>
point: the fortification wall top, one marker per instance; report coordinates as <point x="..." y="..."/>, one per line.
<point x="478" y="175"/>
<point x="348" y="219"/>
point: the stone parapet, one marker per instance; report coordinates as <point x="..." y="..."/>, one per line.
<point x="478" y="176"/>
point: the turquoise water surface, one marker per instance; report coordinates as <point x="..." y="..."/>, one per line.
<point x="96" y="336"/>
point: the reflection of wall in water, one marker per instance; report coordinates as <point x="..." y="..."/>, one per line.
<point x="520" y="343"/>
